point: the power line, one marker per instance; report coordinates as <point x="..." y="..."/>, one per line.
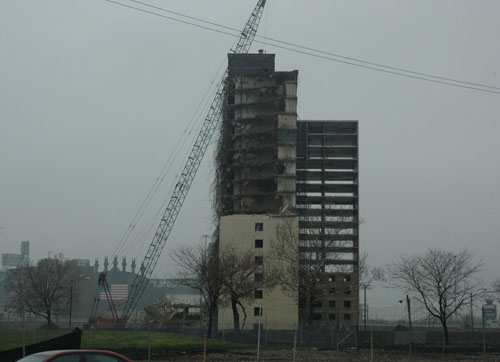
<point x="422" y="74"/>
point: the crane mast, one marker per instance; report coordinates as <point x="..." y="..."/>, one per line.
<point x="210" y="125"/>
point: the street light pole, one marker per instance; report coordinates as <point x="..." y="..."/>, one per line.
<point x="409" y="319"/>
<point x="81" y="277"/>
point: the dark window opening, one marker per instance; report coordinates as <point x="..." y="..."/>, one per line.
<point x="331" y="278"/>
<point x="332" y="316"/>
<point x="259" y="277"/>
<point x="259" y="226"/>
<point x="331" y="303"/>
<point x="258" y="294"/>
<point x="347" y="278"/>
<point x="347" y="317"/>
<point x="318" y="316"/>
<point x="332" y="290"/>
<point x="318" y="303"/>
<point x="347" y="303"/>
<point x="259" y="260"/>
<point x="257" y="311"/>
<point x="259" y="243"/>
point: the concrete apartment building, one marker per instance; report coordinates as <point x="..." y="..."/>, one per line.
<point x="328" y="207"/>
<point x="273" y="170"/>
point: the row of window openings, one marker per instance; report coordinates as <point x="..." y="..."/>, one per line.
<point x="331" y="278"/>
<point x="331" y="304"/>
<point x="326" y="206"/>
<point x="328" y="218"/>
<point x="326" y="182"/>
<point x="327" y="231"/>
<point x="259" y="294"/>
<point x="313" y="168"/>
<point x="332" y="256"/>
<point x="328" y="194"/>
<point x="328" y="243"/>
<point x="319" y="316"/>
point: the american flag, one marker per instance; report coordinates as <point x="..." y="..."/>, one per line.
<point x="118" y="292"/>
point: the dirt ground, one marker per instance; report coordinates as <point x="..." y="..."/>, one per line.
<point x="323" y="356"/>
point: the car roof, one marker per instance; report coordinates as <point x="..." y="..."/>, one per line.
<point x="62" y="351"/>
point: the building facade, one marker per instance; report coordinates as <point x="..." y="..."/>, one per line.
<point x="328" y="205"/>
<point x="274" y="170"/>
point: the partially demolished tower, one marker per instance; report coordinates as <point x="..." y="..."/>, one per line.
<point x="257" y="155"/>
<point x="271" y="167"/>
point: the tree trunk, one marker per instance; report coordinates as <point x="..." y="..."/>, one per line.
<point x="236" y="317"/>
<point x="49" y="318"/>
<point x="211" y="313"/>
<point x="310" y="316"/>
<point x="445" y="331"/>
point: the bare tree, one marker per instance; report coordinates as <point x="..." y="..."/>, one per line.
<point x="303" y="266"/>
<point x="42" y="289"/>
<point x="202" y="270"/>
<point x="496" y="285"/>
<point x="244" y="273"/>
<point x="368" y="275"/>
<point x="442" y="281"/>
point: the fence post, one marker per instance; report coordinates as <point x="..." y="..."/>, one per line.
<point x="149" y="341"/>
<point x="337" y="316"/>
<point x="333" y="343"/>
<point x="295" y="347"/>
<point x="484" y="334"/>
<point x="205" y="349"/>
<point x="24" y="331"/>
<point x="371" y="346"/>
<point x="258" y="334"/>
<point x="356" y="337"/>
<point x="301" y="327"/>
<point x="223" y="328"/>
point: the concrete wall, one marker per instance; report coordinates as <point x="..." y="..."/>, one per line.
<point x="280" y="311"/>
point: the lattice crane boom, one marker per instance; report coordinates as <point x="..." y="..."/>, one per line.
<point x="210" y="125"/>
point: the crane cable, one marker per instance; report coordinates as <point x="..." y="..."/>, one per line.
<point x="188" y="131"/>
<point x="320" y="53"/>
<point x="125" y="245"/>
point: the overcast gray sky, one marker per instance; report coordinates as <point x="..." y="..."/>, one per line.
<point x="94" y="97"/>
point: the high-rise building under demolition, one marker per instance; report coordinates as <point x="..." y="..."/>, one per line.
<point x="274" y="172"/>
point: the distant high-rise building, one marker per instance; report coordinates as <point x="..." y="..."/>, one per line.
<point x="16" y="260"/>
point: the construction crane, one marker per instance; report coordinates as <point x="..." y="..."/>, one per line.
<point x="209" y="126"/>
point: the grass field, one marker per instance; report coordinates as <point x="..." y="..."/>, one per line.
<point x="102" y="339"/>
<point x="14" y="338"/>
